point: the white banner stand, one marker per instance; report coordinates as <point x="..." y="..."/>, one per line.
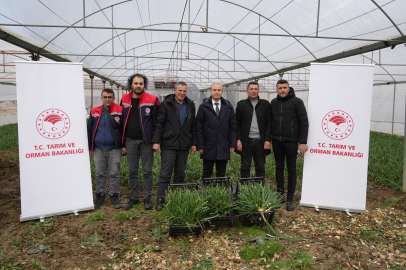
<point x="55" y="174"/>
<point x="339" y="109"/>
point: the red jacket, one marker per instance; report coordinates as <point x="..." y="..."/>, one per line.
<point x="148" y="112"/>
<point x="116" y="112"/>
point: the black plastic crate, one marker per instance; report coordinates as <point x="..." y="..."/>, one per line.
<point x="222" y="181"/>
<point x="184" y="230"/>
<point x="223" y="221"/>
<point x="256" y="218"/>
<point x="191" y="186"/>
<point x="247" y="181"/>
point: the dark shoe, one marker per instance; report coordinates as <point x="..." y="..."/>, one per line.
<point x="159" y="204"/>
<point x="115" y="201"/>
<point x="99" y="200"/>
<point x="130" y="204"/>
<point x="147" y="204"/>
<point x="290" y="206"/>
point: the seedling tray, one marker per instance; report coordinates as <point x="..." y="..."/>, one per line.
<point x="222" y="181"/>
<point x="190" y="186"/>
<point x="247" y="181"/>
<point x="223" y="221"/>
<point x="175" y="231"/>
<point x="256" y="218"/>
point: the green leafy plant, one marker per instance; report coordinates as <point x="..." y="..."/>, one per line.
<point x="258" y="198"/>
<point x="37" y="265"/>
<point x="254" y="198"/>
<point x="94" y="241"/>
<point x="7" y="265"/>
<point x="260" y="251"/>
<point x="41" y="248"/>
<point x="218" y="200"/>
<point x="158" y="234"/>
<point x="186" y="208"/>
<point x="95" y="216"/>
<point x="300" y="260"/>
<point x="48" y="222"/>
<point x="128" y="215"/>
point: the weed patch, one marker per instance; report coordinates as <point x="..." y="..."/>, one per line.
<point x="300" y="260"/>
<point x="96" y="216"/>
<point x="127" y="215"/>
<point x="262" y="251"/>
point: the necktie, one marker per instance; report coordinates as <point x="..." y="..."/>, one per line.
<point x="217" y="108"/>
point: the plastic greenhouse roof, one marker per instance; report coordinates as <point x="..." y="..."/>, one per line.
<point x="205" y="41"/>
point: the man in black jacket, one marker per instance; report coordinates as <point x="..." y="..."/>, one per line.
<point x="289" y="127"/>
<point x="175" y="130"/>
<point x="253" y="131"/>
<point x="216" y="131"/>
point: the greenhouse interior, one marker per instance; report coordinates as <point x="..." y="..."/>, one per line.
<point x="201" y="42"/>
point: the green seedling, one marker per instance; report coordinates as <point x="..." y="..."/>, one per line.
<point x="95" y="216"/>
<point x="127" y="215"/>
<point x="39" y="250"/>
<point x="261" y="251"/>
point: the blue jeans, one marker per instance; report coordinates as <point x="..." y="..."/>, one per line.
<point x="110" y="160"/>
<point x="137" y="149"/>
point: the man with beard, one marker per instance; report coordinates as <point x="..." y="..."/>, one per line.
<point x="140" y="110"/>
<point x="175" y="131"/>
<point x="289" y="128"/>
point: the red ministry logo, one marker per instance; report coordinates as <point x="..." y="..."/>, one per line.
<point x="53" y="124"/>
<point x="337" y="125"/>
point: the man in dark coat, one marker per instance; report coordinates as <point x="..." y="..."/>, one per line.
<point x="175" y="131"/>
<point x="289" y="128"/>
<point x="253" y="131"/>
<point x="216" y="130"/>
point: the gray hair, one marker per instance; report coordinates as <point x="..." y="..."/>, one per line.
<point x="180" y="83"/>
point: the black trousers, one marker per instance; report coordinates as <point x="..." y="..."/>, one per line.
<point x="208" y="168"/>
<point x="172" y="160"/>
<point x="288" y="150"/>
<point x="255" y="149"/>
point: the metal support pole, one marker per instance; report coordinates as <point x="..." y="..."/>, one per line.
<point x="259" y="38"/>
<point x="91" y="91"/>
<point x="112" y="32"/>
<point x="218" y="64"/>
<point x="118" y="94"/>
<point x="104" y="84"/>
<point x="125" y="49"/>
<point x="4" y="64"/>
<point x="188" y="34"/>
<point x="181" y="45"/>
<point x="84" y="14"/>
<point x="234" y="53"/>
<point x="404" y="155"/>
<point x="318" y="15"/>
<point x="393" y="110"/>
<point x="207" y="16"/>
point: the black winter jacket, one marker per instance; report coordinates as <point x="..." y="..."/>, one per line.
<point x="168" y="130"/>
<point x="244" y="117"/>
<point x="216" y="135"/>
<point x="289" y="119"/>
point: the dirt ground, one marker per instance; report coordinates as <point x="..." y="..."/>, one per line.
<point x="375" y="239"/>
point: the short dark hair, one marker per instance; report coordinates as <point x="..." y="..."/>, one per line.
<point x="108" y="90"/>
<point x="254" y="83"/>
<point x="180" y="83"/>
<point x="281" y="81"/>
<point x="131" y="78"/>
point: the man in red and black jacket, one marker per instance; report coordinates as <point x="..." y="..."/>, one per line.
<point x="140" y="111"/>
<point x="104" y="131"/>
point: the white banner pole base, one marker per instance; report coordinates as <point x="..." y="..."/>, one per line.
<point x="331" y="207"/>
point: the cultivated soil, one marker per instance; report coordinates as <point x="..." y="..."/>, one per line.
<point x="375" y="239"/>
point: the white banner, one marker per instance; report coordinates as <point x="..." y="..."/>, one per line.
<point x="52" y="138"/>
<point x="339" y="109"/>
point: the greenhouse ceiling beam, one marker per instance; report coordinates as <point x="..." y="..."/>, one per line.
<point x="389" y="18"/>
<point x="387" y="83"/>
<point x="15" y="40"/>
<point x="200" y="32"/>
<point x="345" y="54"/>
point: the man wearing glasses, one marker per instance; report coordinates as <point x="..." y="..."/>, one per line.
<point x="104" y="136"/>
